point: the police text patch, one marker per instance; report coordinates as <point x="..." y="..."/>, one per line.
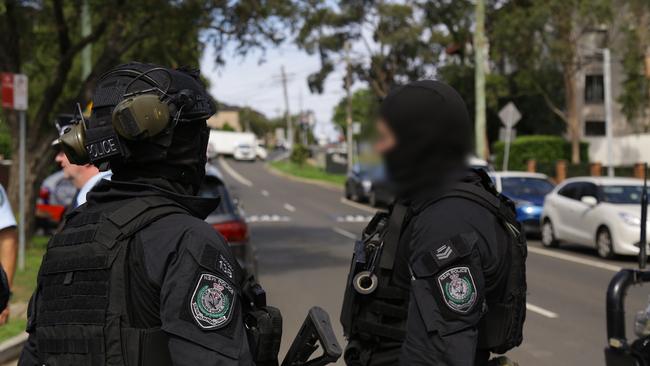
<point x="458" y="289"/>
<point x="212" y="302"/>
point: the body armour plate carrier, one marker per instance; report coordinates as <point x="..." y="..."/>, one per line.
<point x="377" y="313"/>
<point x="80" y="309"/>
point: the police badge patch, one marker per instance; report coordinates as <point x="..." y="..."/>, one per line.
<point x="458" y="289"/>
<point x="212" y="302"/>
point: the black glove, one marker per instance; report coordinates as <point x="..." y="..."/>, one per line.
<point x="4" y="289"/>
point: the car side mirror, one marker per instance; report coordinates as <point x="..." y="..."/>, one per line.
<point x="589" y="200"/>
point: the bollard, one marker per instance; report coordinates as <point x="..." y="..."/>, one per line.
<point x="560" y="171"/>
<point x="531" y="166"/>
<point x="638" y="170"/>
<point x="596" y="169"/>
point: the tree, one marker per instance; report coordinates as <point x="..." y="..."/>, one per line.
<point x="548" y="35"/>
<point x="364" y="110"/>
<point x="42" y="40"/>
<point x="635" y="97"/>
<point x="401" y="47"/>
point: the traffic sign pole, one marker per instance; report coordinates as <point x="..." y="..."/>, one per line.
<point x="509" y="115"/>
<point x="21" y="204"/>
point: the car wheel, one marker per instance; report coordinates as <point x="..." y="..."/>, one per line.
<point x="548" y="235"/>
<point x="604" y="243"/>
<point x="347" y="192"/>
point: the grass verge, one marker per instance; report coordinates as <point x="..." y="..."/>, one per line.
<point x="308" y="172"/>
<point x="24" y="285"/>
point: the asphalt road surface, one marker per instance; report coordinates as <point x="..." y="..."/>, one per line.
<point x="304" y="237"/>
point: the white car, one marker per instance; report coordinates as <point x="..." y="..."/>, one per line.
<point x="595" y="211"/>
<point x="245" y="152"/>
<point x="262" y="153"/>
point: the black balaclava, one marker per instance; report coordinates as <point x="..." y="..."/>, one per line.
<point x="174" y="159"/>
<point x="433" y="131"/>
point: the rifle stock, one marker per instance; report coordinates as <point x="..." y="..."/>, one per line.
<point x="316" y="330"/>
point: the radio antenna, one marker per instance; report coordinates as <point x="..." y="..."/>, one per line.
<point x="644" y="219"/>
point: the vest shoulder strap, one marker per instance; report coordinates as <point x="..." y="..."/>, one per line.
<point x="133" y="216"/>
<point x="392" y="236"/>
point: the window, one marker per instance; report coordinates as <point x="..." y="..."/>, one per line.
<point x="594" y="89"/>
<point x="571" y="190"/>
<point x="521" y="187"/>
<point x="595" y="128"/>
<point x="589" y="189"/>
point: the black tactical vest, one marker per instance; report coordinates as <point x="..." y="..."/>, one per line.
<point x="81" y="306"/>
<point x="379" y="315"/>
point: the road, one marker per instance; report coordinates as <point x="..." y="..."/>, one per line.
<point x="304" y="235"/>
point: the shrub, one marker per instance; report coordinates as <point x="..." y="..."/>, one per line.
<point x="299" y="154"/>
<point x="544" y="149"/>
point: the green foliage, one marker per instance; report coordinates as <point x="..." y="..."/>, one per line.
<point x="364" y="109"/>
<point x="227" y="127"/>
<point x="299" y="154"/>
<point x="307" y="171"/>
<point x="635" y="96"/>
<point x="544" y="149"/>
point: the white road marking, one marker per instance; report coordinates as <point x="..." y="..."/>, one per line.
<point x="574" y="259"/>
<point x="267" y="218"/>
<point x="289" y="208"/>
<point x="353" y="218"/>
<point x="345" y="233"/>
<point x="233" y="173"/>
<point x="265" y="193"/>
<point x="541" y="311"/>
<point x="346" y="201"/>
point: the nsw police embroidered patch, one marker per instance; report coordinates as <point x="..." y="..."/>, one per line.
<point x="458" y="289"/>
<point x="212" y="302"/>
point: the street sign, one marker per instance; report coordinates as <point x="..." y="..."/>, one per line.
<point x="509" y="115"/>
<point x="356" y="128"/>
<point x="13" y="91"/>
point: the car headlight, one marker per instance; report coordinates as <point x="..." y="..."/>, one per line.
<point x="629" y="219"/>
<point x="366" y="184"/>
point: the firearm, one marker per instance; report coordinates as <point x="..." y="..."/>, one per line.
<point x="316" y="331"/>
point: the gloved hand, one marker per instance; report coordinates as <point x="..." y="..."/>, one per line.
<point x="502" y="361"/>
<point x="5" y="293"/>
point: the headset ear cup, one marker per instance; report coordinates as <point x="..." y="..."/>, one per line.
<point x="73" y="143"/>
<point x="141" y="117"/>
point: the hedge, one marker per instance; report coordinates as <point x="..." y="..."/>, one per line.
<point x="544" y="149"/>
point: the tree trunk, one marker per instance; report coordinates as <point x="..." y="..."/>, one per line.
<point x="572" y="113"/>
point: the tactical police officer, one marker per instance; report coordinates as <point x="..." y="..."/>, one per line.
<point x="135" y="277"/>
<point x="440" y="280"/>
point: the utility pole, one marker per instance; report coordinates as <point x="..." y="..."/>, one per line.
<point x="607" y="79"/>
<point x="479" y="61"/>
<point x="86" y="29"/>
<point x="348" y="107"/>
<point x="283" y="76"/>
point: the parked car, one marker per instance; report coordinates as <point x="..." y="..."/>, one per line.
<point x="599" y="212"/>
<point x="368" y="183"/>
<point x="527" y="190"/>
<point x="228" y="219"/>
<point x="245" y="152"/>
<point x="261" y="152"/>
<point x="56" y="193"/>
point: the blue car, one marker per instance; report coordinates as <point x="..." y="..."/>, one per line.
<point x="527" y="190"/>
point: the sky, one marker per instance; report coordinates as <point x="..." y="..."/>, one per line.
<point x="255" y="81"/>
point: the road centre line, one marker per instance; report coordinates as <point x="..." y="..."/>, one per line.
<point x="346" y="201"/>
<point x="574" y="259"/>
<point x="265" y="193"/>
<point x="345" y="233"/>
<point x="233" y="173"/>
<point x="289" y="208"/>
<point x="541" y="311"/>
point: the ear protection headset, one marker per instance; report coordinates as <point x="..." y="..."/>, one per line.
<point x="140" y="115"/>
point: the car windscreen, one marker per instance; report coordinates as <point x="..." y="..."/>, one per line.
<point x="525" y="186"/>
<point x="621" y="194"/>
<point x="211" y="188"/>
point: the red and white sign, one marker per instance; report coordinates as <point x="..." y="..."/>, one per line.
<point x="13" y="90"/>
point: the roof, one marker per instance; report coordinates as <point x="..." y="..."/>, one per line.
<point x="517" y="175"/>
<point x="606" y="181"/>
